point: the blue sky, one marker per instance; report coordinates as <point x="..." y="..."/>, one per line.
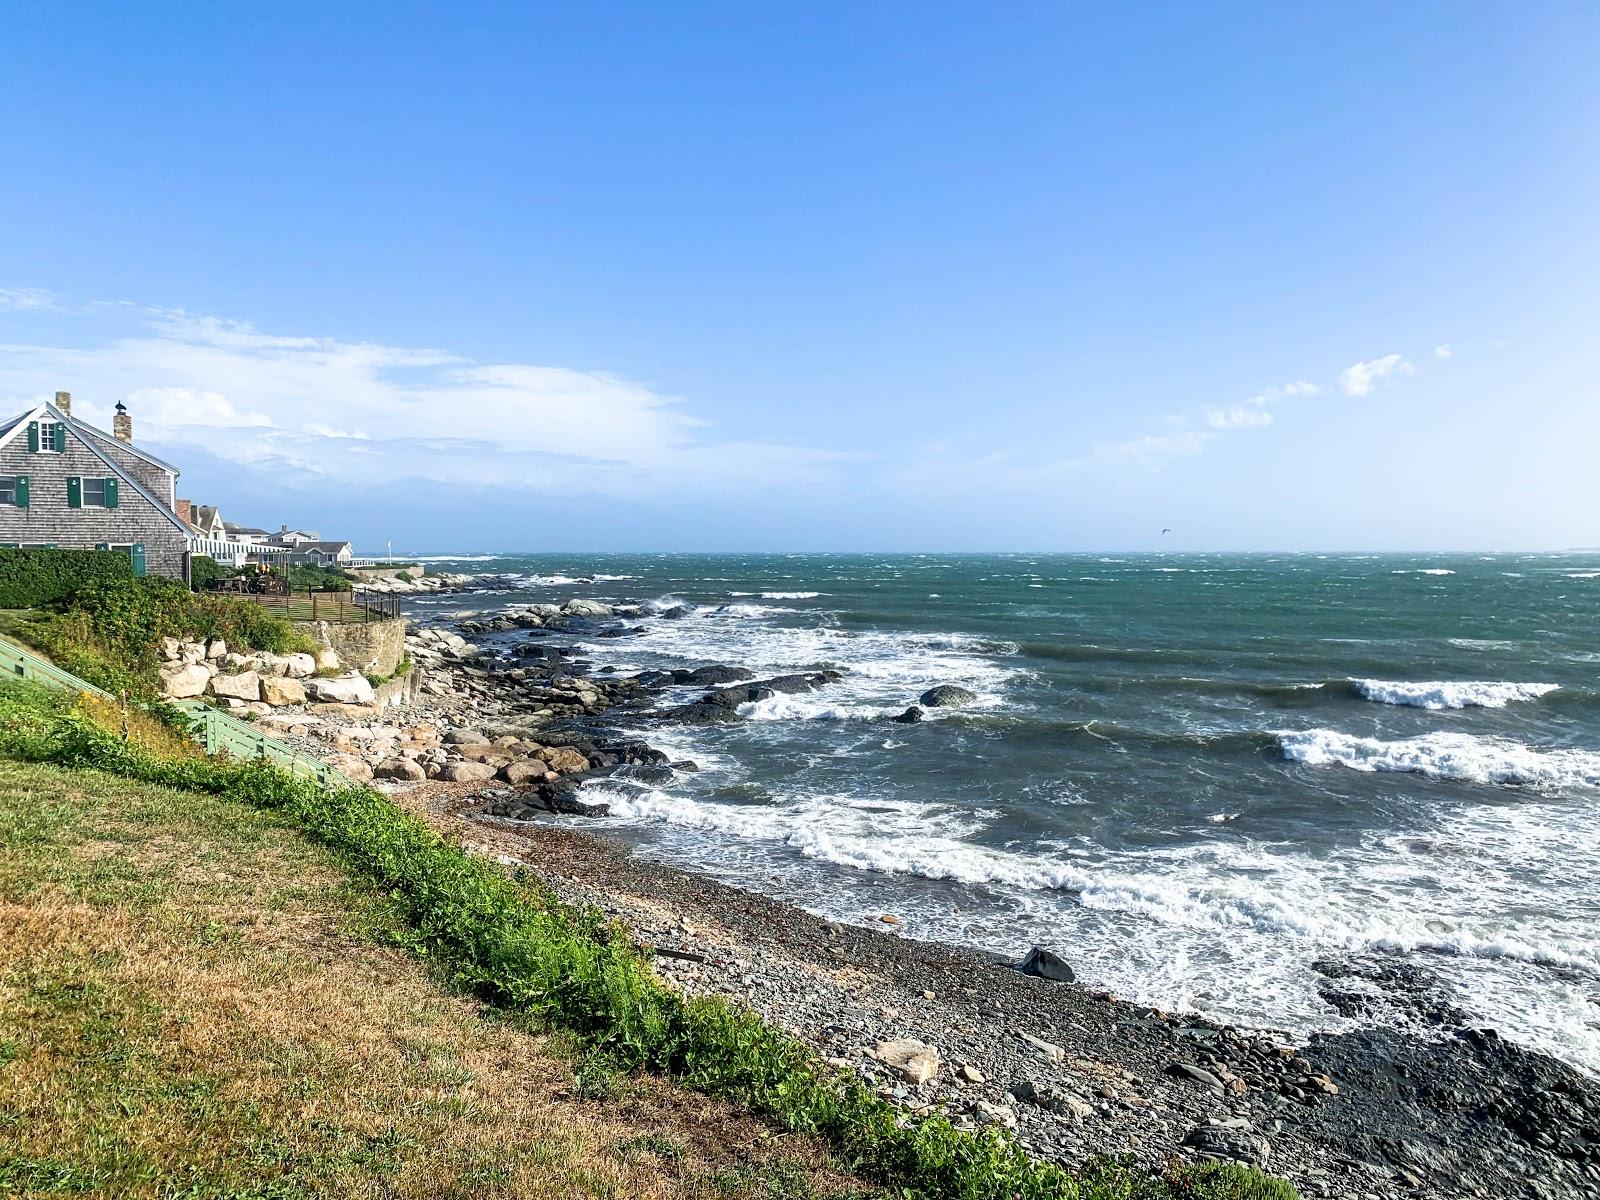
<point x="890" y="276"/>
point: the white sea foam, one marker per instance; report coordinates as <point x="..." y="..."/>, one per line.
<point x="791" y="595"/>
<point x="1453" y="756"/>
<point x="1450" y="694"/>
<point x="1424" y="571"/>
<point x="784" y="707"/>
<point x="1227" y="887"/>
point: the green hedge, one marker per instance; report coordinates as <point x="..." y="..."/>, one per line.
<point x="32" y="578"/>
<point x="520" y="947"/>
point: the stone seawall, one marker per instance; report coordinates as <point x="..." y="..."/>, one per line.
<point x="373" y="648"/>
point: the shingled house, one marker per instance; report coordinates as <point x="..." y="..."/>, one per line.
<point x="67" y="484"/>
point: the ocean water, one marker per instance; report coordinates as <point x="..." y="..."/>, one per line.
<point x="1195" y="776"/>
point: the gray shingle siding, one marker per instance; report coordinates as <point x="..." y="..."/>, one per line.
<point x="153" y="477"/>
<point x="48" y="519"/>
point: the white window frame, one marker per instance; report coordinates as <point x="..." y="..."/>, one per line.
<point x="8" y="489"/>
<point x="47" y="435"/>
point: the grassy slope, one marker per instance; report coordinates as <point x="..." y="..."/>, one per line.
<point x="195" y="1000"/>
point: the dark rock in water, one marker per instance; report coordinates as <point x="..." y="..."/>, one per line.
<point x="946" y="695"/>
<point x="701" y="713"/>
<point x="1229" y="1141"/>
<point x="1046" y="964"/>
<point x="684" y="764"/>
<point x="711" y="676"/>
<point x="910" y="717"/>
<point x="677" y="612"/>
<point x="563" y="797"/>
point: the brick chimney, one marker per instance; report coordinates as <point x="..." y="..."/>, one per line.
<point x="64" y="402"/>
<point x="186" y="511"/>
<point x="122" y="424"/>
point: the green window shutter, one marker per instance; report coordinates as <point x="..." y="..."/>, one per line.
<point x="22" y="491"/>
<point x="111" y="493"/>
<point x="61" y="436"/>
<point x="33" y="437"/>
<point x="74" y="492"/>
<point x="137" y="554"/>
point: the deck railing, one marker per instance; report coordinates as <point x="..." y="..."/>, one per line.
<point x="342" y="608"/>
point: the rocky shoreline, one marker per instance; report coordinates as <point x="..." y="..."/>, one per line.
<point x="510" y="722"/>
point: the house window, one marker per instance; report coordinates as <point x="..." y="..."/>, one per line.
<point x="94" y="493"/>
<point x="47" y="435"/>
<point x="8" y="489"/>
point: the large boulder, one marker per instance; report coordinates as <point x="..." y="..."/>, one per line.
<point x="246" y="685"/>
<point x="328" y="659"/>
<point x="467" y="772"/>
<point x="910" y="717"/>
<point x="917" y="1062"/>
<point x="183" y="680"/>
<point x="1046" y="964"/>
<point x="946" y="695"/>
<point x="564" y="760"/>
<point x="350" y="767"/>
<point x="402" y="769"/>
<point x="216" y="648"/>
<point x="524" y="772"/>
<point x="299" y="666"/>
<point x="279" y="690"/>
<point x="342" y="689"/>
<point x="586" y="608"/>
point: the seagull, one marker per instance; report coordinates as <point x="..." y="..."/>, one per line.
<point x="1166" y="531"/>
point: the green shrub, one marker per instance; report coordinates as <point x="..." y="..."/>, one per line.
<point x="203" y="569"/>
<point x="109" y="633"/>
<point x="520" y="947"/>
<point x="34" y="577"/>
<point x="307" y="577"/>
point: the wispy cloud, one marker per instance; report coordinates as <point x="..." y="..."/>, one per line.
<point x="1443" y="351"/>
<point x="308" y="410"/>
<point x="1358" y="378"/>
<point x="23" y="299"/>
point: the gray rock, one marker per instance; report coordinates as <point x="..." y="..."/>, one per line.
<point x="946" y="695"/>
<point x="1194" y="1074"/>
<point x="1046" y="964"/>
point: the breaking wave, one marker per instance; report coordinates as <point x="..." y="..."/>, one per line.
<point x="1452" y="756"/>
<point x="1449" y="694"/>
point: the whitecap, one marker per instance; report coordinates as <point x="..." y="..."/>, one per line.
<point x="1452" y="756"/>
<point x="1443" y="694"/>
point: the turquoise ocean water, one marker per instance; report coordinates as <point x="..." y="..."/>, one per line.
<point x="1197" y="777"/>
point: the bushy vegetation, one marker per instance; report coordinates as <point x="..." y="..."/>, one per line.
<point x="512" y="943"/>
<point x="203" y="570"/>
<point x="110" y="632"/>
<point x="34" y="577"/>
<point x="308" y="577"/>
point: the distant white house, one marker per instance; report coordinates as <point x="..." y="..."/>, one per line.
<point x="224" y="542"/>
<point x="323" y="554"/>
<point x="293" y="537"/>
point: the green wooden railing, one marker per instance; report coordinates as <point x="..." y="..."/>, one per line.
<point x="214" y="729"/>
<point x="24" y="664"/>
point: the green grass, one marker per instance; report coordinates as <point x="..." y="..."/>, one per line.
<point x="196" y="1000"/>
<point x="506" y="940"/>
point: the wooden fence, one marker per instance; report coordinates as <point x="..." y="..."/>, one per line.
<point x="343" y="608"/>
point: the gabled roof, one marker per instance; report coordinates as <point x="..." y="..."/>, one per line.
<point x="9" y="431"/>
<point x="326" y="547"/>
<point x="48" y="410"/>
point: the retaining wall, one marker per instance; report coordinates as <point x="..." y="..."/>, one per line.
<point x="373" y="648"/>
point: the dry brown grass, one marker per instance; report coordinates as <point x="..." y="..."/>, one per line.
<point x="196" y="1002"/>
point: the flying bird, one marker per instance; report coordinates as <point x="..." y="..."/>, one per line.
<point x="1165" y="531"/>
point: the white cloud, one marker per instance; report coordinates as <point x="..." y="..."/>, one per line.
<point x="1238" y="417"/>
<point x="309" y="409"/>
<point x="23" y="299"/>
<point x="1443" y="351"/>
<point x="1358" y="378"/>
